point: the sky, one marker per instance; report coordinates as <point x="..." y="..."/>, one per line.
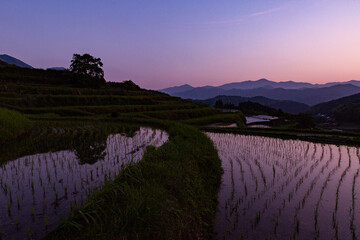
<point x="163" y="43"/>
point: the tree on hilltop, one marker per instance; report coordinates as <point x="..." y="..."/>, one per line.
<point x="88" y="69"/>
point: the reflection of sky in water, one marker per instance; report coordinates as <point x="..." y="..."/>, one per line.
<point x="259" y="118"/>
<point x="35" y="190"/>
<point x="269" y="185"/>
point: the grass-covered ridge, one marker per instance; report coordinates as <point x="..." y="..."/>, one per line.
<point x="170" y="194"/>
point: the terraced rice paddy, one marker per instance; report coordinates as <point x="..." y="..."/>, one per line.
<point x="37" y="190"/>
<point x="287" y="189"/>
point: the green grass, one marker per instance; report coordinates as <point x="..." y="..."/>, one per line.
<point x="12" y="124"/>
<point x="170" y="194"/>
<point x="237" y="117"/>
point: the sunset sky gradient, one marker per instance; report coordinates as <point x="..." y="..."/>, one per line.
<point x="162" y="43"/>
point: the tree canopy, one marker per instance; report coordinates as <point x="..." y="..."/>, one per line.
<point x="88" y="69"/>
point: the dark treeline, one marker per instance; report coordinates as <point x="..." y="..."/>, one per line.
<point x="249" y="108"/>
<point x="84" y="73"/>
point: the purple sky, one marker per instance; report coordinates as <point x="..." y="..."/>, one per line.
<point x="159" y="44"/>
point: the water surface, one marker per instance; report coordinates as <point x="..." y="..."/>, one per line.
<point x="287" y="189"/>
<point x="37" y="190"/>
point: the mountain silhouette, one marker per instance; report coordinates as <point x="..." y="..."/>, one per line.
<point x="14" y="61"/>
<point x="291" y="91"/>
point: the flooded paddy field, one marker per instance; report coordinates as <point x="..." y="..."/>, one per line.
<point x="37" y="190"/>
<point x="287" y="189"/>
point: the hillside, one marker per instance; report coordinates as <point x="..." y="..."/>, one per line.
<point x="180" y="179"/>
<point x="56" y="94"/>
<point x="14" y="61"/>
<point x="284" y="105"/>
<point x="346" y="109"/>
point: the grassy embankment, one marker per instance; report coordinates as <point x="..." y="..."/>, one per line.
<point x="12" y="125"/>
<point x="170" y="194"/>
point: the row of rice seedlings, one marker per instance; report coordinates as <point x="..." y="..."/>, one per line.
<point x="261" y="172"/>
<point x="226" y="145"/>
<point x="340" y="182"/>
<point x="259" y="196"/>
<point x="302" y="201"/>
<point x="273" y="197"/>
<point x="352" y="225"/>
<point x="252" y="158"/>
<point x="232" y="179"/>
<point x="335" y="224"/>
<point x="325" y="184"/>
<point x="313" y="182"/>
<point x="288" y="198"/>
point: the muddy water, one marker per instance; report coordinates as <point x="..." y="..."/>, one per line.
<point x="37" y="190"/>
<point x="287" y="189"/>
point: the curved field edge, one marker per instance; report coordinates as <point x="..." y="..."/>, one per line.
<point x="170" y="194"/>
<point x="316" y="136"/>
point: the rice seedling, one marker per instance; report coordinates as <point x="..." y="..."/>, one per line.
<point x="302" y="174"/>
<point x="352" y="225"/>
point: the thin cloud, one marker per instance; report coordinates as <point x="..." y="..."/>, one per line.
<point x="225" y="21"/>
<point x="266" y="11"/>
<point x="252" y="15"/>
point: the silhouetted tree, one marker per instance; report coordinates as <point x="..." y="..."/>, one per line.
<point x="219" y="103"/>
<point x="91" y="148"/>
<point x="88" y="69"/>
<point x="229" y="106"/>
<point x="304" y="121"/>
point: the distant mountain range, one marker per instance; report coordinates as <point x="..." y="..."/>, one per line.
<point x="284" y="105"/>
<point x="261" y="83"/>
<point x="306" y="93"/>
<point x="172" y="90"/>
<point x="14" y="61"/>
